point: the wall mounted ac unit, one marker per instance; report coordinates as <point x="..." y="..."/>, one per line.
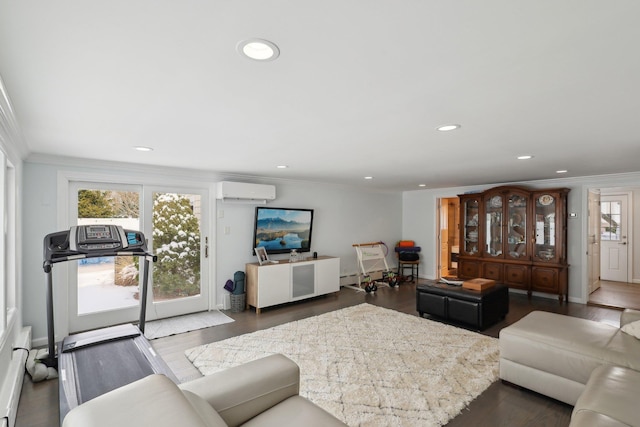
<point x="242" y="192"/>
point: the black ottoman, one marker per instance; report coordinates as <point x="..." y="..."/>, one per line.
<point x="478" y="309"/>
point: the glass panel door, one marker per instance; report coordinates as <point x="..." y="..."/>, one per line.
<point x="178" y="238"/>
<point x="517" y="226"/>
<point x="176" y="242"/>
<point x="470" y="226"/>
<point x="108" y="283"/>
<point x="302" y="280"/>
<point x="104" y="291"/>
<point x="493" y="219"/>
<point x="545" y="228"/>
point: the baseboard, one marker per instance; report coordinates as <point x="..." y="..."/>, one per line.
<point x="351" y="279"/>
<point x="10" y="395"/>
<point x="39" y="342"/>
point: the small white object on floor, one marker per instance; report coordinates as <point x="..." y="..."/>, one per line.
<point x="38" y="370"/>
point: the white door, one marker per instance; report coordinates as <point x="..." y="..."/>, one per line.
<point x="443" y="215"/>
<point x="177" y="235"/>
<point x="447" y="216"/>
<point x="593" y="241"/>
<point x="613" y="235"/>
<point x="106" y="291"/>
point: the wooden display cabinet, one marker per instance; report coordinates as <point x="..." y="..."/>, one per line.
<point x="516" y="236"/>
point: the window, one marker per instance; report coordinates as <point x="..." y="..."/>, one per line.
<point x="3" y="239"/>
<point x="611" y="215"/>
<point x="107" y="283"/>
<point x="176" y="242"/>
<point x="8" y="296"/>
<point x="10" y="137"/>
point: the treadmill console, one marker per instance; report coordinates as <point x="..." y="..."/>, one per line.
<point x="99" y="237"/>
<point x="91" y="241"/>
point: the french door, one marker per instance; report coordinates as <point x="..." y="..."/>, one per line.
<point x="107" y="290"/>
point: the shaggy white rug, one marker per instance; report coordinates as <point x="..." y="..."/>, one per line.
<point x="371" y="366"/>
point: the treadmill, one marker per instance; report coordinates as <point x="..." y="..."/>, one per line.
<point x="93" y="363"/>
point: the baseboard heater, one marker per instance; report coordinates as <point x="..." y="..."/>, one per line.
<point x="10" y="393"/>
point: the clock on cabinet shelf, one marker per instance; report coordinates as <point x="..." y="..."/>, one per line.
<point x="545" y="199"/>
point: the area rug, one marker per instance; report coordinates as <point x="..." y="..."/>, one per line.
<point x="371" y="366"/>
<point x="180" y="324"/>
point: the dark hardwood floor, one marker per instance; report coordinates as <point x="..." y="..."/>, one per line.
<point x="618" y="295"/>
<point x="499" y="405"/>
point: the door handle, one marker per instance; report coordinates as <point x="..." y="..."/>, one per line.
<point x="623" y="243"/>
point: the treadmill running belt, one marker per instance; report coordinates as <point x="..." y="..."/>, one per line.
<point x="105" y="367"/>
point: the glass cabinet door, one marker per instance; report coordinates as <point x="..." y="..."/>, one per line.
<point x="544" y="248"/>
<point x="470" y="228"/>
<point x="517" y="226"/>
<point x="493" y="218"/>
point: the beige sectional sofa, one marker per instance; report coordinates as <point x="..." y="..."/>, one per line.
<point x="576" y="361"/>
<point x="259" y="393"/>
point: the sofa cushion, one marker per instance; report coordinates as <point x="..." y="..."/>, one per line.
<point x="610" y="398"/>
<point x="295" y="411"/>
<point x="632" y="329"/>
<point x="629" y="315"/>
<point x="589" y="418"/>
<point x="206" y="412"/>
<point x="152" y="401"/>
<point x="566" y="346"/>
<point x="239" y="393"/>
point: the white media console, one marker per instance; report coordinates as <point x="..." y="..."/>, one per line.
<point x="273" y="284"/>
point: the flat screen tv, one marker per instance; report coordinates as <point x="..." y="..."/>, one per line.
<point x="279" y="230"/>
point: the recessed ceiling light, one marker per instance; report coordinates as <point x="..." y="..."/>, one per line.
<point x="282" y="166"/>
<point x="525" y="157"/>
<point x="422" y="185"/>
<point x="260" y="50"/>
<point x="141" y="148"/>
<point x="446" y="128"/>
<point x="562" y="171"/>
<point x="368" y="177"/>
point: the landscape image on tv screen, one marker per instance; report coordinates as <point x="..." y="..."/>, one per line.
<point x="279" y="230"/>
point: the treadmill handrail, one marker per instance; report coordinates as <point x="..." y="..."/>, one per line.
<point x="64" y="258"/>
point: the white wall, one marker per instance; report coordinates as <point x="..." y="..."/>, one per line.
<point x="342" y="216"/>
<point x="419" y="222"/>
<point x="39" y="213"/>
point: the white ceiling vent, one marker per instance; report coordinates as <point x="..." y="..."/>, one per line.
<point x="242" y="192"/>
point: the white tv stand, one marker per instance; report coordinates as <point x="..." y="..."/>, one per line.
<point x="273" y="284"/>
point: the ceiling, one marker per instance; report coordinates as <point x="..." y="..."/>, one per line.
<point x="358" y="89"/>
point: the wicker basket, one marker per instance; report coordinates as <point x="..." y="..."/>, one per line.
<point x="237" y="303"/>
